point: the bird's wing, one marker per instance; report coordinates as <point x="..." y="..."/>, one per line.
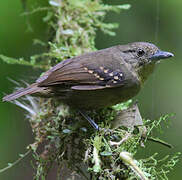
<point x="78" y="75"/>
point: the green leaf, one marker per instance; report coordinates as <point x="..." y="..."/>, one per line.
<point x="10" y="60"/>
<point x="106" y="153"/>
<point x="96" y="168"/>
<point x="10" y="164"/>
<point x="21" y="155"/>
<point x="19" y="61"/>
<point x="97" y="142"/>
<point x="116" y="8"/>
<point x="122" y="106"/>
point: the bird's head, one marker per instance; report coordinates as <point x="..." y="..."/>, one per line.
<point x="143" y="56"/>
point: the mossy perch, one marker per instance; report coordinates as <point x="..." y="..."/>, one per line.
<point x="62" y="138"/>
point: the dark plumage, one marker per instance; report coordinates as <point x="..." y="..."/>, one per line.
<point x="98" y="79"/>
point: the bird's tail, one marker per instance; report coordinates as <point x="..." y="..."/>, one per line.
<point x="33" y="88"/>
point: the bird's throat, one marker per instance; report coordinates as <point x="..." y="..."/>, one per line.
<point x="144" y="72"/>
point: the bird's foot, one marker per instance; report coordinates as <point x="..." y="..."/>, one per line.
<point x="93" y="124"/>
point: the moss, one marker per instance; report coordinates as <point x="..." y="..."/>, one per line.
<point x="63" y="139"/>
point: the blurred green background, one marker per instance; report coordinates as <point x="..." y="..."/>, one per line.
<point x="161" y="94"/>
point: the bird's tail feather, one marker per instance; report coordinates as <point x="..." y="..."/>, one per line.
<point x="29" y="90"/>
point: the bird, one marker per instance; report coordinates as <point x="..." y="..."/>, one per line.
<point x="98" y="79"/>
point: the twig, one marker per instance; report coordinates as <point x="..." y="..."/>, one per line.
<point x="127" y="159"/>
<point x="10" y="165"/>
<point x="125" y="138"/>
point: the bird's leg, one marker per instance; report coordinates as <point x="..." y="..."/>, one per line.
<point x="94" y="125"/>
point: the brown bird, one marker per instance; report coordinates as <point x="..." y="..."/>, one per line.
<point x="98" y="79"/>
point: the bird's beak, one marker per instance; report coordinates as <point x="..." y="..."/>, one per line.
<point x="161" y="55"/>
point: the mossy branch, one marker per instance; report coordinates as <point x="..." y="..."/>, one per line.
<point x="63" y="137"/>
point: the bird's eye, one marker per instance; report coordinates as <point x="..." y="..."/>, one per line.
<point x="140" y="52"/>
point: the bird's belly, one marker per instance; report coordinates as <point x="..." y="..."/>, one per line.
<point x="99" y="98"/>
